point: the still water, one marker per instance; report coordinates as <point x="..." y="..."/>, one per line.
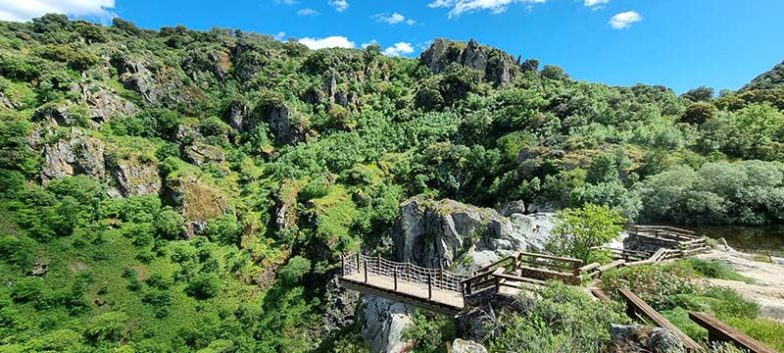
<point x="752" y="238"/>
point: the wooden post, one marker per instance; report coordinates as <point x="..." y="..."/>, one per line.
<point x="378" y="264"/>
<point x="441" y="277"/>
<point x="408" y="269"/>
<point x="357" y="261"/>
<point x="429" y="287"/>
<point x="394" y="275"/>
<point x="342" y="264"/>
<point x="365" y="271"/>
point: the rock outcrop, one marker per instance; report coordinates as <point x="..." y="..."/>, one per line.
<point x="340" y="306"/>
<point x="461" y="346"/>
<point x="201" y="153"/>
<point x="135" y="176"/>
<point x="71" y="156"/>
<point x="439" y="233"/>
<point x="384" y="323"/>
<point x="497" y="66"/>
<point x="287" y="126"/>
<point x="135" y="75"/>
<point x="104" y="103"/>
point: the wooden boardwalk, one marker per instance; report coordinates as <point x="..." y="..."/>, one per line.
<point x="444" y="291"/>
<point x="414" y="290"/>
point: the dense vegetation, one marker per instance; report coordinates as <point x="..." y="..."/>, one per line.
<point x="217" y="175"/>
<point x="675" y="289"/>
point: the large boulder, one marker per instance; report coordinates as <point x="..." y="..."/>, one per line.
<point x="384" y="324"/>
<point x="73" y="155"/>
<point x="439" y="233"/>
<point x="665" y="341"/>
<point x="201" y="153"/>
<point x="461" y="346"/>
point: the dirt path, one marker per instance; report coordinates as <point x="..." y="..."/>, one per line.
<point x="768" y="286"/>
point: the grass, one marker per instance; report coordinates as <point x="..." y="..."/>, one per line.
<point x="675" y="289"/>
<point x="716" y="269"/>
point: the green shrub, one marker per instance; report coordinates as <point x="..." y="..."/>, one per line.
<point x="111" y="326"/>
<point x="297" y="267"/>
<point x="204" y="285"/>
<point x="169" y="224"/>
<point x="17" y="251"/>
<point x="558" y="319"/>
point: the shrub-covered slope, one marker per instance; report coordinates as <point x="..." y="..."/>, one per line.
<point x="179" y="190"/>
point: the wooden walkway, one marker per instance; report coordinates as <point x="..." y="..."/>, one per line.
<point x="444" y="291"/>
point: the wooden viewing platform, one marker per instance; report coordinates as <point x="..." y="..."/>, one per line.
<point x="445" y="291"/>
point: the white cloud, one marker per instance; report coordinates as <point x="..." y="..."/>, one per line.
<point x="596" y="4"/>
<point x="393" y="19"/>
<point x="280" y="36"/>
<point x="494" y="6"/>
<point x="25" y="10"/>
<point x="440" y="3"/>
<point x="339" y="5"/>
<point x="625" y="19"/>
<point x="307" y="12"/>
<point x="286" y="2"/>
<point x="398" y="49"/>
<point x="371" y="42"/>
<point x="327" y="42"/>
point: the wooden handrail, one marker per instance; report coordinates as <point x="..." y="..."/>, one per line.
<point x="721" y="332"/>
<point x="551" y="257"/>
<point x="636" y="306"/>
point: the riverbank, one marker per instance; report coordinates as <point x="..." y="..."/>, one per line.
<point x="767" y="279"/>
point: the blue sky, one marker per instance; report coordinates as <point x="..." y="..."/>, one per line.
<point x="681" y="44"/>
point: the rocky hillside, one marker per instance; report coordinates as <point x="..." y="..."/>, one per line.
<point x="179" y="190"/>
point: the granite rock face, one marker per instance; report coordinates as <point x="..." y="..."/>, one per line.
<point x="497" y="66"/>
<point x="384" y="323"/>
<point x="433" y="233"/>
<point x="71" y="156"/>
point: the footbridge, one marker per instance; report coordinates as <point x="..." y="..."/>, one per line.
<point x="448" y="292"/>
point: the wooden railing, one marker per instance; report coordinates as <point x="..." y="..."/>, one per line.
<point x="522" y="268"/>
<point x="721" y="332"/>
<point x="434" y="278"/>
<point x="637" y="308"/>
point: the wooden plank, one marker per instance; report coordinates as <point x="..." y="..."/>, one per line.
<point x="521" y="279"/>
<point x="721" y="332"/>
<point x="590" y="267"/>
<point x="601" y="295"/>
<point x="611" y="265"/>
<point x="566" y="259"/>
<point x="636" y="306"/>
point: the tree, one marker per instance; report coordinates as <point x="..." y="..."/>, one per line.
<point x="699" y="113"/>
<point x="578" y="231"/>
<point x="699" y="94"/>
<point x="204" y="285"/>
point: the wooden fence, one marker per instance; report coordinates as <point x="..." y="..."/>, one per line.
<point x="721" y="332"/>
<point x="434" y="278"/>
